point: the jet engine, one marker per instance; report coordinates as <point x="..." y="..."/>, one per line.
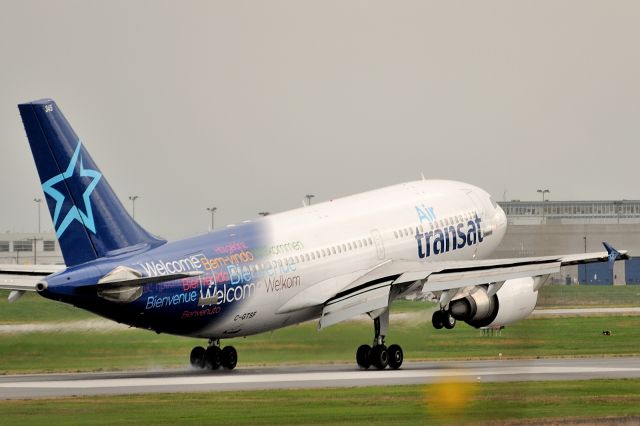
<point x="514" y="301"/>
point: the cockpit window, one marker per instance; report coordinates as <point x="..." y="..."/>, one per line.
<point x="493" y="203"/>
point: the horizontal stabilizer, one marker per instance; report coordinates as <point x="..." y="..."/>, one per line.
<point x="21" y="278"/>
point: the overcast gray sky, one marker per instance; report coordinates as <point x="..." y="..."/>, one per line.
<point x="249" y="105"/>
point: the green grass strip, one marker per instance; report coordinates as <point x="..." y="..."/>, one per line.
<point x="447" y="402"/>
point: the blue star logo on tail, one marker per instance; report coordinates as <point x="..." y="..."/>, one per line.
<point x="84" y="217"/>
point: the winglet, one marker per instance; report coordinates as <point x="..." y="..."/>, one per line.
<point x="613" y="253"/>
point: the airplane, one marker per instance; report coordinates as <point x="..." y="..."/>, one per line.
<point x="330" y="261"/>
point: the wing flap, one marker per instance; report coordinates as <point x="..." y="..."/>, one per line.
<point x="356" y="303"/>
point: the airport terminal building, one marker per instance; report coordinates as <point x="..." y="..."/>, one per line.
<point x="30" y="248"/>
<point x="538" y="228"/>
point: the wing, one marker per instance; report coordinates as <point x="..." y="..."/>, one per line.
<point x="374" y="289"/>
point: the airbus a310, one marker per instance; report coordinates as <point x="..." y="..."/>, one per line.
<point x="330" y="262"/>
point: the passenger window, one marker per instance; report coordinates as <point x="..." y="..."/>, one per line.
<point x="349" y="246"/>
<point x="370" y="240"/>
<point x="339" y="249"/>
<point x="306" y="257"/>
<point x="333" y="250"/>
<point x="395" y="234"/>
<point x="359" y="243"/>
<point x="344" y="247"/>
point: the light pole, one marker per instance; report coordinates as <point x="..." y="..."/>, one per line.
<point x="213" y="212"/>
<point x="35" y="256"/>
<point x="263" y="214"/>
<point x="309" y="197"/>
<point x="585" y="265"/>
<point x="618" y="205"/>
<point x="133" y="199"/>
<point x="543" y="191"/>
<point x="38" y="201"/>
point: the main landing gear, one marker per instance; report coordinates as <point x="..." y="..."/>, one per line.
<point x="443" y="319"/>
<point x="378" y="355"/>
<point x="213" y="357"/>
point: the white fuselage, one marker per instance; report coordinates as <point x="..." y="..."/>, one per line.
<point x="330" y="244"/>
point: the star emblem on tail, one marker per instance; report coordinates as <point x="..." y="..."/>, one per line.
<point x="84" y="217"/>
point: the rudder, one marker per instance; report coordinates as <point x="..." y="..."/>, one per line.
<point x="89" y="220"/>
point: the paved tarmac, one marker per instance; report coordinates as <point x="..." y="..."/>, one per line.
<point x="187" y="380"/>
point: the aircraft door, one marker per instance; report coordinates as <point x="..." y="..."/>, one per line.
<point x="477" y="202"/>
<point x="379" y="243"/>
<point x="480" y="211"/>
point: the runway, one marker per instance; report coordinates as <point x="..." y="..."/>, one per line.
<point x="57" y="385"/>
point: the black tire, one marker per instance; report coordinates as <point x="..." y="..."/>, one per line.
<point x="229" y="357"/>
<point x="212" y="358"/>
<point x="197" y="357"/>
<point x="396" y="356"/>
<point x="379" y="357"/>
<point x="362" y="356"/>
<point x="437" y="320"/>
<point x="449" y="321"/>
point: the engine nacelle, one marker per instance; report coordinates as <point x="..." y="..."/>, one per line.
<point x="515" y="300"/>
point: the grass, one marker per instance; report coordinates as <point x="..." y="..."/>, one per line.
<point x="539" y="337"/>
<point x="32" y="308"/>
<point x="125" y="349"/>
<point x="445" y="402"/>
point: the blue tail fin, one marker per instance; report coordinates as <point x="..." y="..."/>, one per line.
<point x="613" y="253"/>
<point x="89" y="220"/>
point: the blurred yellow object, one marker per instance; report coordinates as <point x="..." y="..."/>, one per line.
<point x="449" y="399"/>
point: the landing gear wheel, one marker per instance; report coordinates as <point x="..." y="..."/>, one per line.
<point x="197" y="357"/>
<point x="362" y="356"/>
<point x="229" y="357"/>
<point x="395" y="356"/>
<point x="379" y="357"/>
<point x="437" y="320"/>
<point x="449" y="321"/>
<point x="212" y="358"/>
